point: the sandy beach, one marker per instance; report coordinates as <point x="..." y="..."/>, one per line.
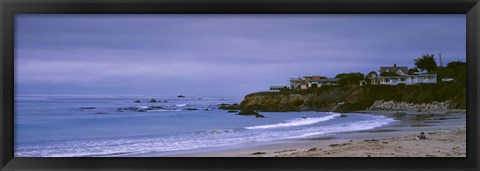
<point x="445" y="133"/>
<point x="438" y="144"/>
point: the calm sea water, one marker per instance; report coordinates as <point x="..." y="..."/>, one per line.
<point x="57" y="126"/>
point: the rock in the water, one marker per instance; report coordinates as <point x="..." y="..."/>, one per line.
<point x="181" y="96"/>
<point x="137" y="101"/>
<point x="141" y="110"/>
<point x="232" y="111"/>
<point x="343" y="115"/>
<point x="153" y="101"/>
<point x="87" y="107"/>
<point x="248" y="111"/>
<point x="224" y="106"/>
<point x="259" y="116"/>
<point x="100" y="113"/>
<point x="156" y="107"/>
<point x="190" y="109"/>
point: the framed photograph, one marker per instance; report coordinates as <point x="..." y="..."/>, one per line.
<point x="260" y="85"/>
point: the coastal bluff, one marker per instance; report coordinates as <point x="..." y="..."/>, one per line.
<point x="353" y="98"/>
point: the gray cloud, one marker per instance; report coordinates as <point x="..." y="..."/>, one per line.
<point x="217" y="54"/>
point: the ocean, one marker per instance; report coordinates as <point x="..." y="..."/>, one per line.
<point x="115" y="126"/>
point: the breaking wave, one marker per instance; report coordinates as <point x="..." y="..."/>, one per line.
<point x="296" y="122"/>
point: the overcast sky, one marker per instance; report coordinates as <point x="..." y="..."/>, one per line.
<point x="217" y="54"/>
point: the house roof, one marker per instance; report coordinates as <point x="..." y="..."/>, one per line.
<point x="315" y="77"/>
<point x="394" y="69"/>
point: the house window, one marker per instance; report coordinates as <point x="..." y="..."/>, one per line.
<point x="387" y="80"/>
<point x="402" y="79"/>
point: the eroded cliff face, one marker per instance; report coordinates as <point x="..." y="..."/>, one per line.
<point x="280" y="102"/>
<point x="344" y="99"/>
<point x="328" y="100"/>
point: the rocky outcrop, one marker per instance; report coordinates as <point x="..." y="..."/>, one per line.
<point x="392" y="105"/>
<point x="229" y="106"/>
<point x="354" y="98"/>
<point x="259" y="116"/>
<point x="328" y="99"/>
<point x="248" y="111"/>
<point x="289" y="102"/>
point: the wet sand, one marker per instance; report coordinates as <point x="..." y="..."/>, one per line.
<point x="445" y="132"/>
<point x="438" y="144"/>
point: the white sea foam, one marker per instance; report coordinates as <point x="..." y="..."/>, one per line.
<point x="375" y="122"/>
<point x="180" y="105"/>
<point x="296" y="122"/>
<point x="219" y="131"/>
<point x="165" y="110"/>
<point x="209" y="138"/>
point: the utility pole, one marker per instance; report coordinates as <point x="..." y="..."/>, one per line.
<point x="440" y="56"/>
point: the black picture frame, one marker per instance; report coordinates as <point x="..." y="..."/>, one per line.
<point x="9" y="8"/>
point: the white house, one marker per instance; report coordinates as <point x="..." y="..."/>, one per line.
<point x="401" y="76"/>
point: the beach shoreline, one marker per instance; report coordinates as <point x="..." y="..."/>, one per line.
<point x="445" y="131"/>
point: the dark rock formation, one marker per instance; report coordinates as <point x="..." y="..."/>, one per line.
<point x="87" y="107"/>
<point x="247" y="111"/>
<point x="421" y="136"/>
<point x="259" y="115"/>
<point x="234" y="106"/>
